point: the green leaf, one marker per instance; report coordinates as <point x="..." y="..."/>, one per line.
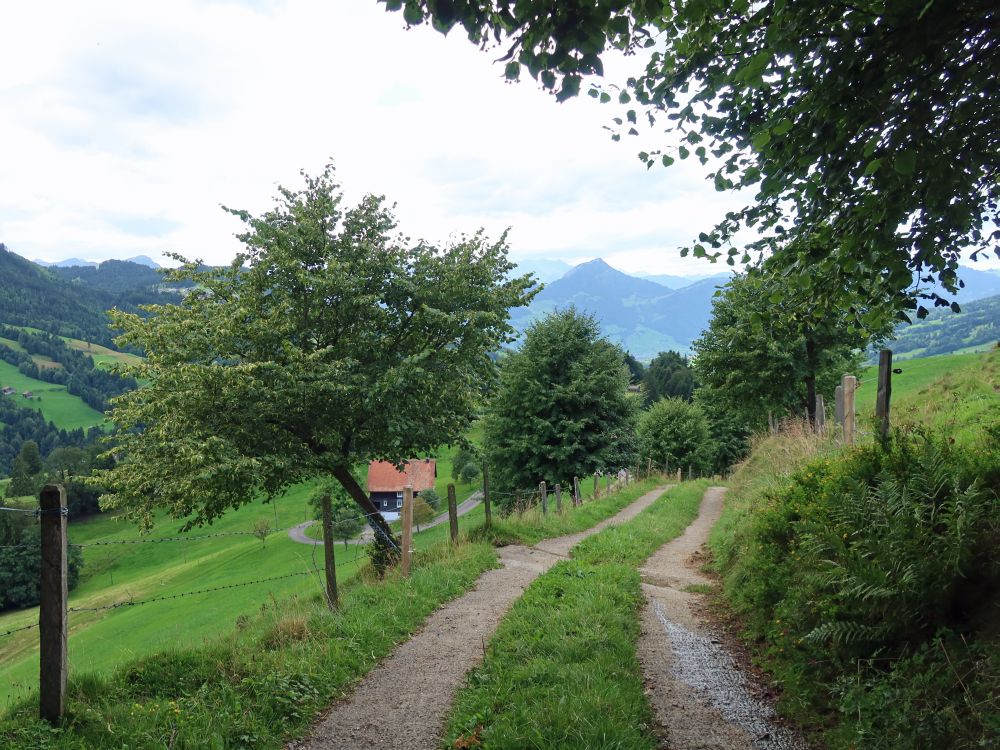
<point x="683" y="152"/>
<point x="905" y="162"/>
<point x="413" y="15"/>
<point x="512" y="71"/>
<point x="761" y="139"/>
<point x="872" y="166"/>
<point x="605" y="97"/>
<point x="782" y="127"/>
<point x="667" y="160"/>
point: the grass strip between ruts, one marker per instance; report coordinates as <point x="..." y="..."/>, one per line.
<point x="561" y="670"/>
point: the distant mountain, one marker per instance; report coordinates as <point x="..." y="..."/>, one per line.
<point x="944" y="332"/>
<point x="978" y="284"/>
<point x="545" y="270"/>
<point x="65" y="263"/>
<point x="144" y="260"/>
<point x="678" y="282"/>
<point x="642" y="316"/>
<point x="113" y="276"/>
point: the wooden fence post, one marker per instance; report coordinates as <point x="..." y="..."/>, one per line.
<point x="544" y="493"/>
<point x="53" y="591"/>
<point x="850" y="384"/>
<point x="576" y="491"/>
<point x="649" y="468"/>
<point x="607" y="484"/>
<point x="678" y="476"/>
<point x="329" y="561"/>
<point x="838" y="405"/>
<point x="407" y="528"/>
<point x="559" y="499"/>
<point x="597" y="486"/>
<point x="820" y="415"/>
<point x="486" y="497"/>
<point x="884" y="391"/>
<point x="453" y="513"/>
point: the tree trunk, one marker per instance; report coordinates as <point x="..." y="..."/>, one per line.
<point x="386" y="545"/>
<point x="812" y="364"/>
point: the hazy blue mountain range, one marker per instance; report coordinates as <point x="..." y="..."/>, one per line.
<point x="644" y="317"/>
<point x="544" y="270"/>
<point x="142" y="260"/>
<point x="676" y="282"/>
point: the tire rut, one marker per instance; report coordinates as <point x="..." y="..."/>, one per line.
<point x="700" y="697"/>
<point x="402" y="703"/>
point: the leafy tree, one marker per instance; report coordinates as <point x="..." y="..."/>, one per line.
<point x="67" y="461"/>
<point x="469" y="472"/>
<point x="463" y="458"/>
<point x="676" y="432"/>
<point x="344" y="517"/>
<point x="21" y="562"/>
<point x="331" y="341"/>
<point x="431" y="497"/>
<point x="25" y="478"/>
<point x="769" y="347"/>
<point x="562" y="408"/>
<point x="635" y="369"/>
<point x="422" y="511"/>
<point x="876" y="120"/>
<point x="668" y="375"/>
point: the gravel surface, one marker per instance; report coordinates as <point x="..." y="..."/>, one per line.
<point x="700" y="698"/>
<point x="298" y="532"/>
<point x="402" y="703"/>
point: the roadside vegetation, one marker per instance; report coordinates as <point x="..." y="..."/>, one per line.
<point x="867" y="577"/>
<point x="561" y="670"/>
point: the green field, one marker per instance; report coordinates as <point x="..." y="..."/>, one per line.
<point x="99" y="641"/>
<point x="55" y="402"/>
<point x="917" y="375"/>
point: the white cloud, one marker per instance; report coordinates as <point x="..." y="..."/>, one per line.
<point x="127" y="124"/>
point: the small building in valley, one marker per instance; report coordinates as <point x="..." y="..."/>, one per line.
<point x="7" y="390"/>
<point x="386" y="482"/>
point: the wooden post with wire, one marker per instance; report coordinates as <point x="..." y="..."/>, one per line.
<point x="407" y="550"/>
<point x="838" y="405"/>
<point x="453" y="514"/>
<point x="678" y="476"/>
<point x="559" y="499"/>
<point x="52" y="612"/>
<point x="543" y="492"/>
<point x="329" y="561"/>
<point x="820" y="415"/>
<point x="486" y="497"/>
<point x="597" y="486"/>
<point x="576" y="491"/>
<point x="850" y="384"/>
<point x="884" y="393"/>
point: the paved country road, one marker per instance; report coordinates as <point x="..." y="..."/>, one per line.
<point x="298" y="532"/>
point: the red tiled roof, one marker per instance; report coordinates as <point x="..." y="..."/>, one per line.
<point x="383" y="476"/>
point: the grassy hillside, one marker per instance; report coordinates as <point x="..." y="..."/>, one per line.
<point x="866" y="577"/>
<point x="100" y="641"/>
<point x="917" y="376"/>
<point x="55" y="402"/>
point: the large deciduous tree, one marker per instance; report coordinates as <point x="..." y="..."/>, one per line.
<point x="770" y="347"/>
<point x="330" y="341"/>
<point x="675" y="434"/>
<point x="876" y="120"/>
<point x="668" y="375"/>
<point x="562" y="408"/>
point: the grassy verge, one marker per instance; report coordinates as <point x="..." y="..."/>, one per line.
<point x="866" y="578"/>
<point x="264" y="683"/>
<point x="561" y="670"/>
<point x="532" y="526"/>
<point x="631" y="543"/>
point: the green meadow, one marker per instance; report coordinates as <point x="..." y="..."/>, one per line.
<point x="100" y="641"/>
<point x="55" y="402"/>
<point x="917" y="375"/>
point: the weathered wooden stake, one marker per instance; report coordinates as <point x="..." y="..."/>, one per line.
<point x="649" y="468"/>
<point x="838" y="406"/>
<point x="576" y="491"/>
<point x="678" y="476"/>
<point x="453" y="513"/>
<point x="486" y="497"/>
<point x="597" y="486"/>
<point x="543" y="491"/>
<point x="329" y="560"/>
<point x="407" y="528"/>
<point x="850" y="384"/>
<point x="607" y="484"/>
<point x="53" y="592"/>
<point x="559" y="499"/>
<point x="884" y="391"/>
<point x="820" y="415"/>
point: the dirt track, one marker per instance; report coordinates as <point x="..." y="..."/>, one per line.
<point x="700" y="697"/>
<point x="402" y="703"/>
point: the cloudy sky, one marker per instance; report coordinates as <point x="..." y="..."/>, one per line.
<point x="125" y="126"/>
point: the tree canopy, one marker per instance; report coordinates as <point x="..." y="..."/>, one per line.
<point x="562" y="408"/>
<point x="873" y="120"/>
<point x="668" y="375"/>
<point x="675" y="434"/>
<point x="330" y="341"/>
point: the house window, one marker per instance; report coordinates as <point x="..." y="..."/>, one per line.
<point x="399" y="503"/>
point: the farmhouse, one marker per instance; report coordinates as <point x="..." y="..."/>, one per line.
<point x="28" y="394"/>
<point x="386" y="482"/>
<point x="6" y="390"/>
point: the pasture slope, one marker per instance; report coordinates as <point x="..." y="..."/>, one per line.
<point x="55" y="402"/>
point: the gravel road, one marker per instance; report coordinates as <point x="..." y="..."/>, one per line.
<point x="298" y="532"/>
<point x="402" y="703"/>
<point x="700" y="697"/>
